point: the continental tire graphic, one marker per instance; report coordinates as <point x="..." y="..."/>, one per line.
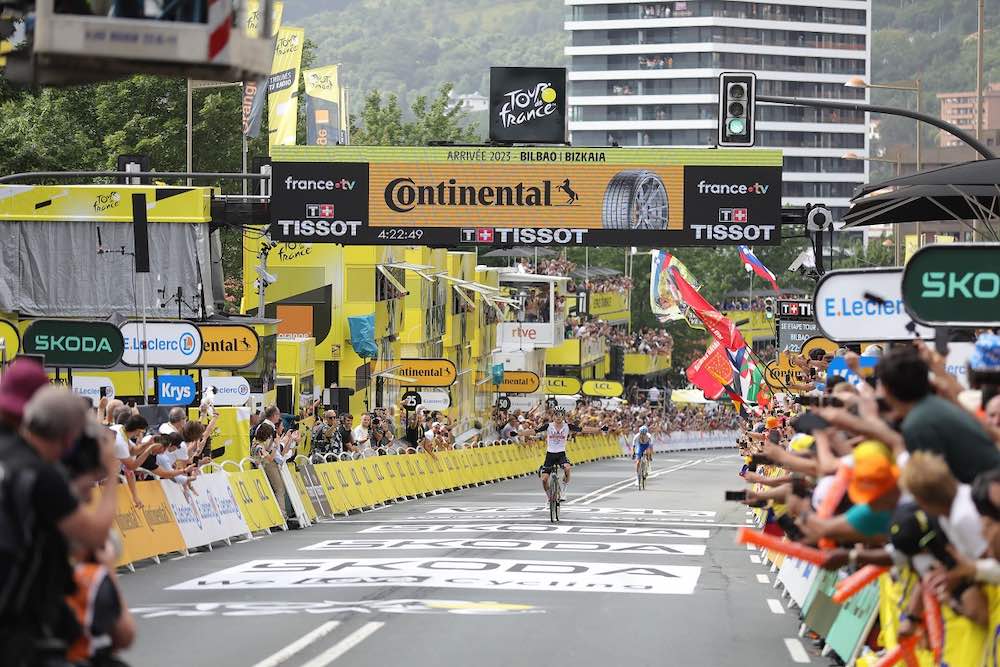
<point x="635" y="199"/>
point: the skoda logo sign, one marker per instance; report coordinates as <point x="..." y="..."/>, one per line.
<point x="954" y="285"/>
<point x="74" y="343"/>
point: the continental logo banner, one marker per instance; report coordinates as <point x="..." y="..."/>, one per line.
<point x="501" y="196"/>
<point x="104" y="203"/>
<point x="283" y="86"/>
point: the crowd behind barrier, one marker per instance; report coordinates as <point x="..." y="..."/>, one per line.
<point x="237" y="501"/>
<point x="879" y="507"/>
<point x="683" y="441"/>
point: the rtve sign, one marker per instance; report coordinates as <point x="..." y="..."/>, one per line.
<point x="954" y="285"/>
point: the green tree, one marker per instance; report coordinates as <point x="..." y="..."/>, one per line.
<point x="382" y="123"/>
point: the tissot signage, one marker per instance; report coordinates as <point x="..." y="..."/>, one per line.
<point x="954" y="284"/>
<point x="74" y="343"/>
<point x="861" y="305"/>
<point x="525" y="196"/>
<point x="528" y="105"/>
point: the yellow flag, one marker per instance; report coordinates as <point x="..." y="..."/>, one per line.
<point x="326" y="115"/>
<point x="254" y="17"/>
<point x="283" y="86"/>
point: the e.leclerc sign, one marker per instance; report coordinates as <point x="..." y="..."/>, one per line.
<point x="168" y="344"/>
<point x="74" y="343"/>
<point x="843" y="313"/>
<point x="957" y="284"/>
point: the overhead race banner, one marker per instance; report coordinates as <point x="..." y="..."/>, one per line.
<point x="168" y="344"/>
<point x="528" y="105"/>
<point x="561" y="386"/>
<point x="957" y="284"/>
<point x="603" y="388"/>
<point x="525" y="196"/>
<point x="326" y="113"/>
<point x="283" y="87"/>
<point x="74" y="343"/>
<point x="795" y="324"/>
<point x="227" y="346"/>
<point x="255" y="92"/>
<point x="865" y="304"/>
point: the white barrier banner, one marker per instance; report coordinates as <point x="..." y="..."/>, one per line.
<point x="687" y="440"/>
<point x="797" y="577"/>
<point x="292" y="493"/>
<point x="211" y="515"/>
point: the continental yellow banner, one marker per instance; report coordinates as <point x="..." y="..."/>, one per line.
<point x="283" y="86"/>
<point x="326" y="108"/>
<point x="525" y="196"/>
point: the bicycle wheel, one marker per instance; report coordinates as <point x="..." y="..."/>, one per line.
<point x="553" y="499"/>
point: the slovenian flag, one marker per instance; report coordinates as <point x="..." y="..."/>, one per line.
<point x="750" y="259"/>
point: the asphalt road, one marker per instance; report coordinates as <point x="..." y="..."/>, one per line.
<point x="481" y="577"/>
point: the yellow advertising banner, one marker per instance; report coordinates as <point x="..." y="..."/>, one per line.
<point x="326" y="108"/>
<point x="255" y="16"/>
<point x="561" y="386"/>
<point x="11" y="340"/>
<point x="104" y="203"/>
<point x="603" y="388"/>
<point x="519" y="382"/>
<point x="147" y="532"/>
<point x="781" y="373"/>
<point x="256" y="499"/>
<point x="282" y="87"/>
<point x="427" y="372"/>
<point x="227" y="346"/>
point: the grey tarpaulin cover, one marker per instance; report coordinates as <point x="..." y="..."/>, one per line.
<point x="54" y="269"/>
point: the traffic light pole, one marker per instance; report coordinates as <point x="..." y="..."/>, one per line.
<point x="970" y="140"/>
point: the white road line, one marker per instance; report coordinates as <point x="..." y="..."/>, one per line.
<point x="755" y="559"/>
<point x="631" y="480"/>
<point x="344" y="645"/>
<point x="610" y="522"/>
<point x="762" y="578"/>
<point x="627" y="483"/>
<point x="297" y="645"/>
<point x="797" y="651"/>
<point x="775" y="606"/>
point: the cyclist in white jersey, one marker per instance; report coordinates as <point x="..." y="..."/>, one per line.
<point x="557" y="434"/>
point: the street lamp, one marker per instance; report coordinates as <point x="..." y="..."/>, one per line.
<point x="899" y="165"/>
<point x="913" y="86"/>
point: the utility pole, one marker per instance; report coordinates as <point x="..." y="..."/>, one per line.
<point x="976" y="233"/>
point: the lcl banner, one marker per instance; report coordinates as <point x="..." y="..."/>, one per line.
<point x="525" y="196"/>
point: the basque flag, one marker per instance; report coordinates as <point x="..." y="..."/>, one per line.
<point x="750" y="259"/>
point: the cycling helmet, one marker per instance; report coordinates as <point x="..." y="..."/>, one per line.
<point x="644" y="430"/>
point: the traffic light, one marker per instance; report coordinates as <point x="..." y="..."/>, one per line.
<point x="769" y="308"/>
<point x="737" y="95"/>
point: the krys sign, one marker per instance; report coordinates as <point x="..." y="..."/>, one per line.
<point x="956" y="284"/>
<point x="74" y="343"/>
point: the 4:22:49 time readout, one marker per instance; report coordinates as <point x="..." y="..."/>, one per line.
<point x="397" y="234"/>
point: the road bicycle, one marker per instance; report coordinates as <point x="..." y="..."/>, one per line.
<point x="642" y="472"/>
<point x="555" y="488"/>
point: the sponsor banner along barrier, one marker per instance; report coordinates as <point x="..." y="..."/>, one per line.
<point x="148" y="532"/>
<point x="687" y="440"/>
<point x="212" y="515"/>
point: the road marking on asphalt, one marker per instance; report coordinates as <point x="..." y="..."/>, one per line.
<point x="475" y="573"/>
<point x="775" y="606"/>
<point x="345" y="645"/>
<point x="548" y="528"/>
<point x="755" y="559"/>
<point x="762" y="578"/>
<point x="299" y="644"/>
<point x="797" y="651"/>
<point x="704" y="515"/>
<point x="635" y="521"/>
<point x="548" y="546"/>
<point x="629" y="482"/>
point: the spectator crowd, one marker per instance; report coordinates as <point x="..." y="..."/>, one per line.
<point x="899" y="470"/>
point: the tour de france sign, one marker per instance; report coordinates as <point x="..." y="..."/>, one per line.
<point x="525" y="196"/>
<point x="955" y="284"/>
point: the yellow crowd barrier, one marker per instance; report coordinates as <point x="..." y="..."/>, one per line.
<point x="326" y="489"/>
